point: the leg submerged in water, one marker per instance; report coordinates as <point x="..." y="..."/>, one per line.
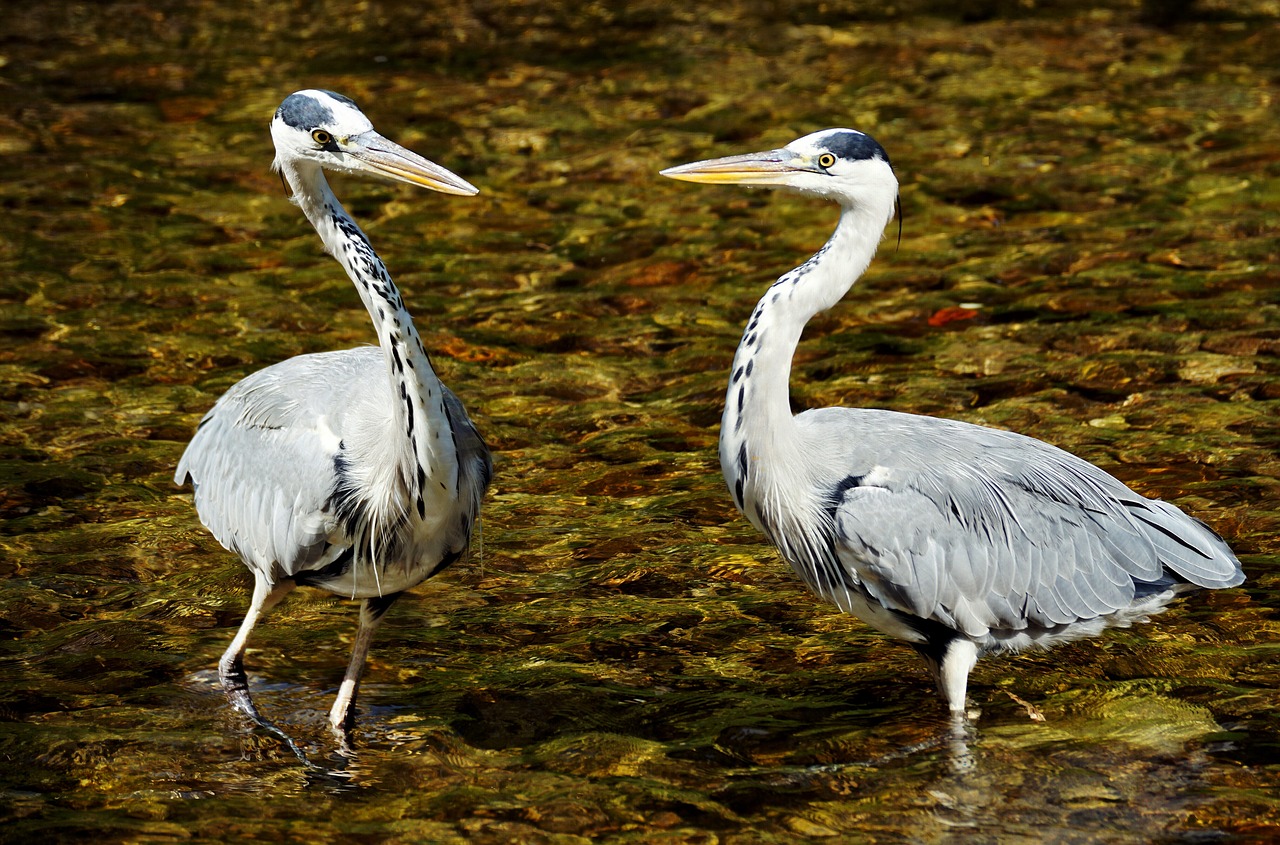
<point x="235" y="683"/>
<point x="342" y="716"/>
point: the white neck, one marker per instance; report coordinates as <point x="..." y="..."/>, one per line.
<point x="420" y="416"/>
<point x="758" y="431"/>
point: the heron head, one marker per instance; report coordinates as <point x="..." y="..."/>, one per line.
<point x="840" y="164"/>
<point x="329" y="130"/>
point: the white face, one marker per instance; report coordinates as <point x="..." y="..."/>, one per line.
<point x="329" y="131"/>
<point x="315" y="125"/>
<point x="837" y="163"/>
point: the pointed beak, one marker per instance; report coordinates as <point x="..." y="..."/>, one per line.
<point x="375" y="154"/>
<point x="772" y="167"/>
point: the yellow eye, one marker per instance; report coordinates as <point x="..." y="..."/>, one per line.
<point x="826" y="160"/>
<point x="321" y="137"/>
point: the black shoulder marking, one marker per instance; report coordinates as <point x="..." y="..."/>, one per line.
<point x="344" y="499"/>
<point x="836" y="497"/>
<point x="334" y="569"/>
<point x="855" y="146"/>
<point x="304" y="112"/>
<point x="849" y="482"/>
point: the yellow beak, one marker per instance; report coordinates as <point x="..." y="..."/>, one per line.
<point x="771" y="167"/>
<point x="375" y="154"/>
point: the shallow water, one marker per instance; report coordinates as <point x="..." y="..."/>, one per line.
<point x="1088" y="256"/>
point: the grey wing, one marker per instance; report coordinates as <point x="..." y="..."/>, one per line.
<point x="475" y="463"/>
<point x="262" y="460"/>
<point x="984" y="530"/>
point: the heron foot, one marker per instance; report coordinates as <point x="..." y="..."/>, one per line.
<point x="342" y="725"/>
<point x="235" y="684"/>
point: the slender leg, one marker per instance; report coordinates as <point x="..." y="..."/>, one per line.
<point x="231" y="667"/>
<point x="342" y="717"/>
<point x="959" y="658"/>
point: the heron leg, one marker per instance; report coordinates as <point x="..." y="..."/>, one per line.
<point x="342" y="717"/>
<point x="957" y="661"/>
<point x="950" y="661"/>
<point x="235" y="683"/>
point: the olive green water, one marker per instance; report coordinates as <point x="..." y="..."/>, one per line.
<point x="1089" y="256"/>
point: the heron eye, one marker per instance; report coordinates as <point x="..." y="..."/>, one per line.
<point x="826" y="160"/>
<point x="321" y="137"/>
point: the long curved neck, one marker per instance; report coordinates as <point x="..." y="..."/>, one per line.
<point x="420" y="416"/>
<point x="758" y="424"/>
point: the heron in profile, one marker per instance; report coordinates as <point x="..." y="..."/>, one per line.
<point x="960" y="539"/>
<point x="355" y="471"/>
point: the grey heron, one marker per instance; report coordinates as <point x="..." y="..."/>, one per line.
<point x="960" y="539"/>
<point x="354" y="471"/>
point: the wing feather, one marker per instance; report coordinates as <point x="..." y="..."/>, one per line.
<point x="263" y="459"/>
<point x="982" y="529"/>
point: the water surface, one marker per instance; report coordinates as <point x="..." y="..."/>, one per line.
<point x="1088" y="256"/>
